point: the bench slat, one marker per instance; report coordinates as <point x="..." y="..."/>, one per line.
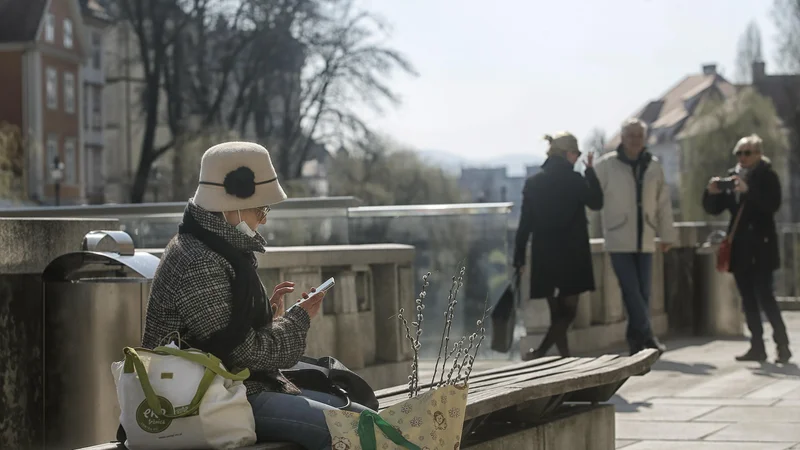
<point x="562" y="365"/>
<point x="394" y="390"/>
<point x="512" y="395"/>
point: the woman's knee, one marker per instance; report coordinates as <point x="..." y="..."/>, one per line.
<point x="291" y="418"/>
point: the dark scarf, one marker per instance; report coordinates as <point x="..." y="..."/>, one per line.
<point x="249" y="303"/>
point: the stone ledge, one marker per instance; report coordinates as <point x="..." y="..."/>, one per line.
<point x="30" y="244"/>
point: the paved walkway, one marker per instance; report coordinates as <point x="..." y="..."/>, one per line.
<point x="697" y="397"/>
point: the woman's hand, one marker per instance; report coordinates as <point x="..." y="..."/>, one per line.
<point x="276" y="301"/>
<point x="590" y="159"/>
<point x="311" y="302"/>
<point x="713" y="187"/>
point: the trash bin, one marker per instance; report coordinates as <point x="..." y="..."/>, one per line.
<point x="94" y="305"/>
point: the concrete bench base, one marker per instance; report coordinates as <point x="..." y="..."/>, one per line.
<point x="573" y="427"/>
<point x="579" y="427"/>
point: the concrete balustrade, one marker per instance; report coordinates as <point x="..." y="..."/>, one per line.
<point x="358" y="323"/>
<point x="688" y="296"/>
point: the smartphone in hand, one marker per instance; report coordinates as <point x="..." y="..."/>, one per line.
<point x="329" y="283"/>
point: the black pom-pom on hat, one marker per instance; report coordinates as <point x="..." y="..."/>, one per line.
<point x="240" y="182"/>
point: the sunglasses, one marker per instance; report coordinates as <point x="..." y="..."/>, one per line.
<point x="741" y="153"/>
<point x="262" y="212"/>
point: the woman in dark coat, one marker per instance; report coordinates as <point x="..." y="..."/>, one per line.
<point x="553" y="214"/>
<point x="754" y="254"/>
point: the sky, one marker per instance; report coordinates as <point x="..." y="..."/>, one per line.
<point x="494" y="77"/>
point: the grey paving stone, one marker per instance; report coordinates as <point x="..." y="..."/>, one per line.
<point x="735" y="384"/>
<point x="773" y="414"/>
<point x="682" y="445"/>
<point x="778" y="389"/>
<point x="622" y="443"/>
<point x="683" y="431"/>
<point x="758" y="432"/>
<point x="669" y="413"/>
<point x="712" y="401"/>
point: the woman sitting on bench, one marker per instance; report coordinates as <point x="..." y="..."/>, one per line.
<point x="207" y="289"/>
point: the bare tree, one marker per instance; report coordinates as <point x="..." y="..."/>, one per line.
<point x="344" y="65"/>
<point x="708" y="141"/>
<point x="380" y="171"/>
<point x="291" y="72"/>
<point x="187" y="50"/>
<point x="749" y="51"/>
<point x="596" y="142"/>
<point x="786" y="15"/>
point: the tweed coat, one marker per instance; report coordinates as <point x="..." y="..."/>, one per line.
<point x="191" y="295"/>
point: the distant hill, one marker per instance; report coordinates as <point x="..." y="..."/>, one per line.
<point x="451" y="163"/>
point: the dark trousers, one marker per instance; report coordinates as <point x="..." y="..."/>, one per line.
<point x="562" y="313"/>
<point x="634" y="272"/>
<point x="755" y="288"/>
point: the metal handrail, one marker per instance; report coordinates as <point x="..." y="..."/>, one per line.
<point x="326" y="207"/>
<point x="140" y="210"/>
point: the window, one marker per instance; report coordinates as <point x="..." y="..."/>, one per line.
<point x="97" y="168"/>
<point x="49" y="27"/>
<point x="97" y="50"/>
<point x="52" y="88"/>
<point x="86" y="105"/>
<point x="52" y="153"/>
<point x="69" y="92"/>
<point x="67" y="33"/>
<point x="97" y="100"/>
<point x="70" y="162"/>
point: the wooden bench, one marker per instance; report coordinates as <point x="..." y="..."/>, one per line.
<point x="526" y="393"/>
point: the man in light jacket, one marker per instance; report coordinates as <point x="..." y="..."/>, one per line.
<point x="637" y="209"/>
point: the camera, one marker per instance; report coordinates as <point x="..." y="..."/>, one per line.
<point x="726" y="184"/>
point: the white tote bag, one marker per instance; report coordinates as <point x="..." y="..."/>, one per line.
<point x="181" y="399"/>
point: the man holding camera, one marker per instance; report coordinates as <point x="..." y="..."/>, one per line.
<point x="637" y="208"/>
<point x="752" y="194"/>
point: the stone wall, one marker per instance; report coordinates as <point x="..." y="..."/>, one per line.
<point x="688" y="296"/>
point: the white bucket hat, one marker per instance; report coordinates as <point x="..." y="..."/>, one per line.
<point x="237" y="176"/>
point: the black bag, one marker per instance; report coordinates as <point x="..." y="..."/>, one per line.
<point x="504" y="317"/>
<point x="329" y="375"/>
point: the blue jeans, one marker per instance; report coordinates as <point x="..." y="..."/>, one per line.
<point x="633" y="272"/>
<point x="296" y="418"/>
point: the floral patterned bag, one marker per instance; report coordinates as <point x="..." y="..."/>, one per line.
<point x="430" y="421"/>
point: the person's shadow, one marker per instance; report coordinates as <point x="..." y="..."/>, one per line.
<point x="772" y="370"/>
<point x="690" y="369"/>
<point x="623" y="406"/>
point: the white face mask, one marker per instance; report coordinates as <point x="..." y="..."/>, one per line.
<point x="243" y="227"/>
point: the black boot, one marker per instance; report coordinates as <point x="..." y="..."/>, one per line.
<point x="534" y="354"/>
<point x="756" y="353"/>
<point x="653" y="342"/>
<point x="784" y="354"/>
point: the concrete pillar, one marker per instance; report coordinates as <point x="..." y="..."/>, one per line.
<point x="389" y="344"/>
<point x="348" y="324"/>
<point x="28" y="246"/>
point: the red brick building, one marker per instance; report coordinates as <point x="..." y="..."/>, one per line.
<point x="42" y="48"/>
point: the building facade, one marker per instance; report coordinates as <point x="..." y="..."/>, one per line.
<point x="42" y="49"/>
<point x="96" y="21"/>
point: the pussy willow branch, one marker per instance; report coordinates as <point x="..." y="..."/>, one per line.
<point x="449" y="320"/>
<point x="482" y="334"/>
<point x="411" y="377"/>
<point x="420" y="307"/>
<point x="441" y="344"/>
